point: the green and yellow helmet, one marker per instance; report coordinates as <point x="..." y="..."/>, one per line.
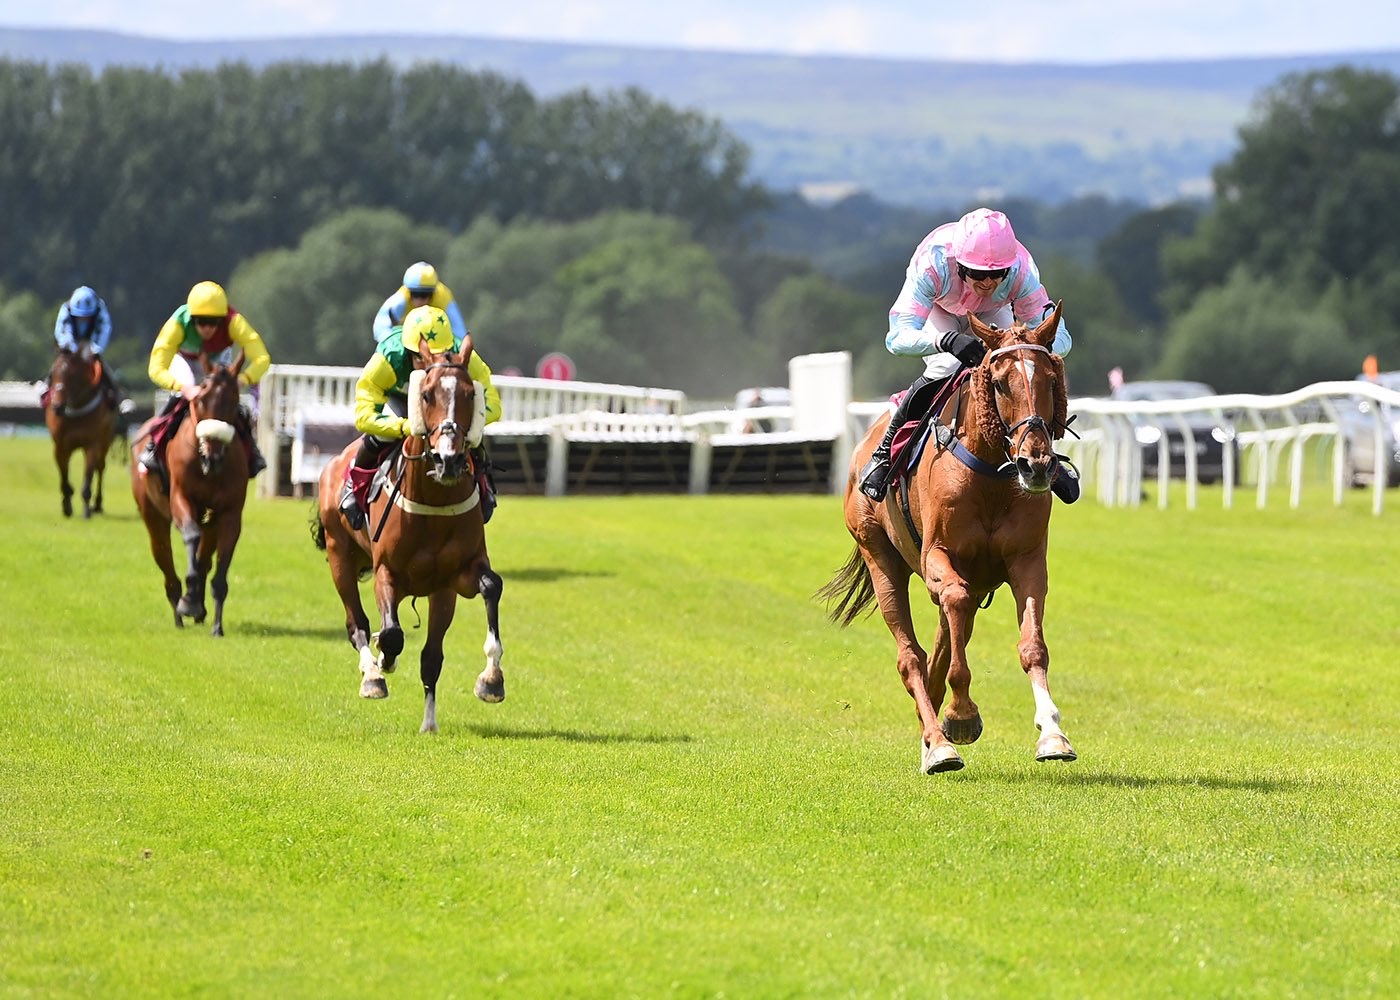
<point x="430" y="325"/>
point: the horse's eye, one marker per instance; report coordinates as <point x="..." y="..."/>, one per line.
<point x="426" y="395"/>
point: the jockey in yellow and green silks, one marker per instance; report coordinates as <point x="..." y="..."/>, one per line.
<point x="420" y="287"/>
<point x="381" y="403"/>
<point x="206" y="325"/>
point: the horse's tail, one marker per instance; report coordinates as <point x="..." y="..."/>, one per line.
<point x="852" y="590"/>
<point x="318" y="528"/>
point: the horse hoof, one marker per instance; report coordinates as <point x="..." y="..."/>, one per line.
<point x="962" y="731"/>
<point x="1054" y="747"/>
<point x="217" y="631"/>
<point x="374" y="687"/>
<point x="492" y="692"/>
<point x="942" y="757"/>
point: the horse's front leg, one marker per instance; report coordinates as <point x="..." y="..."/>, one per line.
<point x="187" y="519"/>
<point x="1029" y="586"/>
<point x="227" y="530"/>
<point x="386" y="596"/>
<point x="442" y="605"/>
<point x="957" y="606"/>
<point x="61" y="455"/>
<point x="491" y="682"/>
<point x="98" y="466"/>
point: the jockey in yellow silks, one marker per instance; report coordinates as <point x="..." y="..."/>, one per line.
<point x="206" y="325"/>
<point x="381" y="404"/>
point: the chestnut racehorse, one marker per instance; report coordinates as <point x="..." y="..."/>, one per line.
<point x="208" y="487"/>
<point x="973" y="515"/>
<point x="80" y="418"/>
<point x="423" y="533"/>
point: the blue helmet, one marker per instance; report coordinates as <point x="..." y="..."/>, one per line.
<point x="83" y="303"/>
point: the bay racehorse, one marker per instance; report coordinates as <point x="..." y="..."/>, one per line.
<point x="80" y="417"/>
<point x="974" y="514"/>
<point x="423" y="533"/>
<point x="207" y="469"/>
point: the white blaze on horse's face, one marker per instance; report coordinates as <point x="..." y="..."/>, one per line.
<point x="446" y="444"/>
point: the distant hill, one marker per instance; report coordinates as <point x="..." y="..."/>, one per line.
<point x="909" y="132"/>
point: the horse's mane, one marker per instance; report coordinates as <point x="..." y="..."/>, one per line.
<point x="983" y="399"/>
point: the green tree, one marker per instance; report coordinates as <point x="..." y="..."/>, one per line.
<point x="315" y="304"/>
<point x="26" y="336"/>
<point x="1261" y="334"/>
<point x="811" y="314"/>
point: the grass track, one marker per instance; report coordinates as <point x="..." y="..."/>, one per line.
<point x="696" y="786"/>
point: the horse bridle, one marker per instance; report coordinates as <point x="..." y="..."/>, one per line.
<point x="1027" y="425"/>
<point x="93" y="402"/>
<point x="449" y="425"/>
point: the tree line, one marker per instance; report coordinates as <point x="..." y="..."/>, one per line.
<point x="627" y="233"/>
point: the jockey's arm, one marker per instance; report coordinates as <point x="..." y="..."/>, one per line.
<point x="371" y="393"/>
<point x="102" y="334"/>
<point x="481" y="372"/>
<point x="385" y="320"/>
<point x="910" y="333"/>
<point x="1031" y="305"/>
<point x="163" y="352"/>
<point x="256" y="360"/>
<point x="62" y="330"/>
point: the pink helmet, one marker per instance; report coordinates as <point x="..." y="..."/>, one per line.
<point x="984" y="241"/>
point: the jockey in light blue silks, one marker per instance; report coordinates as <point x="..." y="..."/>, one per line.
<point x="420" y="287"/>
<point x="84" y="324"/>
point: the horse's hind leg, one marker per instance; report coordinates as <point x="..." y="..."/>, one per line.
<point x="442" y="605"/>
<point x="99" y="473"/>
<point x="889" y="575"/>
<point x="158" y="528"/>
<point x="491" y="682"/>
<point x="341" y="555"/>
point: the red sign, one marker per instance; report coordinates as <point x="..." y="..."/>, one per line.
<point x="556" y="365"/>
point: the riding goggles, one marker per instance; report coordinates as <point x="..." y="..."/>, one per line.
<point x="972" y="274"/>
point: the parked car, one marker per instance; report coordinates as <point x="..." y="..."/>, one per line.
<point x="1357" y="419"/>
<point x="1213" y="432"/>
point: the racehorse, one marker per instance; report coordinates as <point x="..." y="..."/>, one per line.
<point x="208" y="486"/>
<point x="423" y="533"/>
<point x="79" y="416"/>
<point x="973" y="515"/>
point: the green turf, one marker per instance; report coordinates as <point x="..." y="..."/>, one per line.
<point x="697" y="787"/>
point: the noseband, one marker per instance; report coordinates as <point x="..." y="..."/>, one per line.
<point x="1034" y="422"/>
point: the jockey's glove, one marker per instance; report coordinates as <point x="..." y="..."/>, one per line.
<point x="963" y="346"/>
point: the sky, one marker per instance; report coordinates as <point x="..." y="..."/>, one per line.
<point x="1068" y="31"/>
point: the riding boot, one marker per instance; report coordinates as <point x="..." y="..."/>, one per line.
<point x="1065" y="485"/>
<point x="875" y="476"/>
<point x="148" y="459"/>
<point x="357" y="482"/>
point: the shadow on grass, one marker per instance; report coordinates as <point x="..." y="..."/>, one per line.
<point x="1211" y="782"/>
<point x="273" y="630"/>
<point x="544" y="574"/>
<point x="572" y="735"/>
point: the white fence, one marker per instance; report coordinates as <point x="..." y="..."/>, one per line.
<point x="313" y="407"/>
<point x="1267" y="431"/>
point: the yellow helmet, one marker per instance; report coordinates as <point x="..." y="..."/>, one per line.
<point x="420" y="278"/>
<point x="208" y="299"/>
<point x="427" y="324"/>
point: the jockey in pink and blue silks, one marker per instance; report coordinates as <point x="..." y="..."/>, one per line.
<point x="974" y="266"/>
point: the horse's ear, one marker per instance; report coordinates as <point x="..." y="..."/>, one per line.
<point x="466" y="352"/>
<point x="989" y="335"/>
<point x="1045" y="333"/>
<point x="423" y="356"/>
<point x="204" y="362"/>
<point x="238" y="363"/>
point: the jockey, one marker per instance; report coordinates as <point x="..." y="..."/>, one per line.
<point x="205" y="324"/>
<point x="973" y="266"/>
<point x="420" y="288"/>
<point x="84" y="322"/>
<point x="381" y="405"/>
